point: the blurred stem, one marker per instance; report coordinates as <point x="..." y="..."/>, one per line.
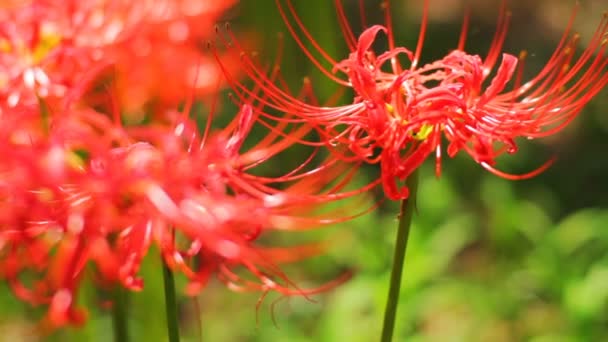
<point x="199" y="315"/>
<point x="170" y="303"/>
<point x="44" y="113"/>
<point x="196" y="263"/>
<point x="119" y="315"/>
<point x="403" y="232"/>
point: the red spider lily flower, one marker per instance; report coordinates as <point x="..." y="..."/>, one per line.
<point x="48" y="46"/>
<point x="201" y="192"/>
<point x="166" y="56"/>
<point x="78" y="189"/>
<point x="399" y="114"/>
<point x="82" y="195"/>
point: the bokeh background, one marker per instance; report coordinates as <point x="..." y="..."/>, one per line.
<point x="489" y="259"/>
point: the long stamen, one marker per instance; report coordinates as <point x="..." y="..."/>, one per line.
<point x="388" y="22"/>
<point x="528" y="175"/>
<point x="465" y="29"/>
<point x="347" y="32"/>
<point x="504" y="18"/>
<point x="301" y="44"/>
<point x="362" y="14"/>
<point x="421" y="35"/>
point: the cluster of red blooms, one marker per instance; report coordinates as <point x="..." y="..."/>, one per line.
<point x="84" y="194"/>
<point x="399" y="114"/>
<point x="87" y="190"/>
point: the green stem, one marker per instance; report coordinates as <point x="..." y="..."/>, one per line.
<point x="119" y="315"/>
<point x="403" y="232"/>
<point x="45" y="113"/>
<point x="170" y="304"/>
<point x="199" y="315"/>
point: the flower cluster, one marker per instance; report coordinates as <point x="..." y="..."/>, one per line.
<point x="82" y="194"/>
<point x="49" y="47"/>
<point x="398" y="115"/>
<point x="88" y="185"/>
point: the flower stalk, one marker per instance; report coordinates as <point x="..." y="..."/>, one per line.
<point x="408" y="206"/>
<point x="119" y="315"/>
<point x="170" y="303"/>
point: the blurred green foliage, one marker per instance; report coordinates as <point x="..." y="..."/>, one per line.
<point x="489" y="259"/>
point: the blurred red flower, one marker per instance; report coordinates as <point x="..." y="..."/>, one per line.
<point x="154" y="46"/>
<point x="77" y="189"/>
<point x="83" y="195"/>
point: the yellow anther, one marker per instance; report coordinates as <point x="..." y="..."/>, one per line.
<point x="390" y="108"/>
<point x="46" y="44"/>
<point x="523" y="54"/>
<point x="74" y="160"/>
<point x="45" y="195"/>
<point x="5" y="46"/>
<point x="423" y="133"/>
